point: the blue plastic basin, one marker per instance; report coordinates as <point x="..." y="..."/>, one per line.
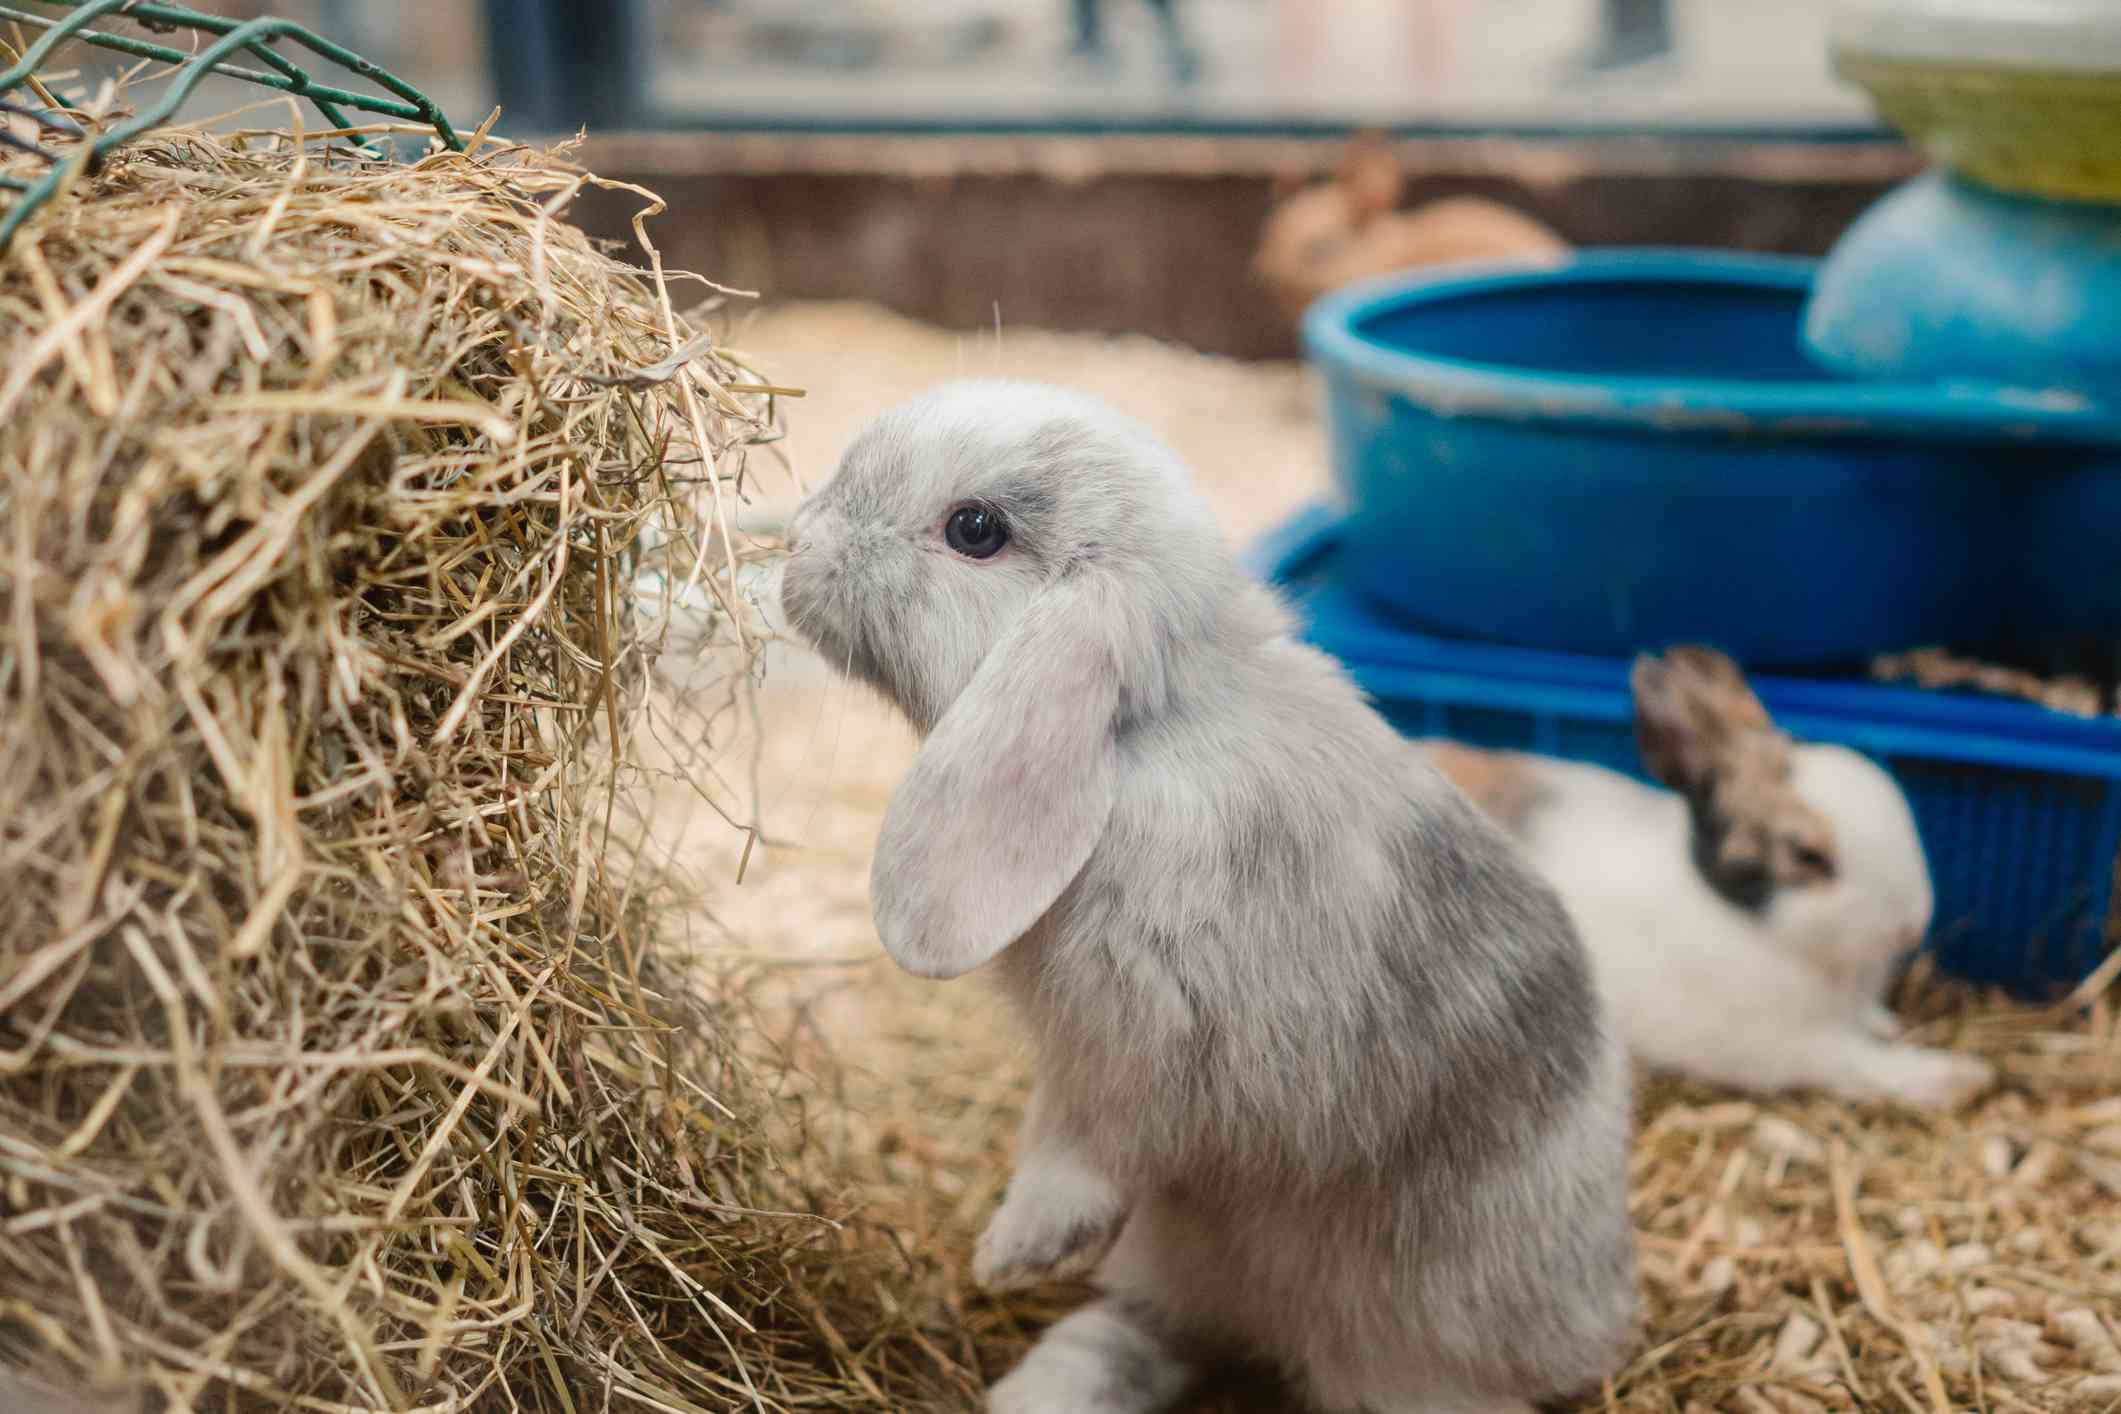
<point x="2019" y="807"/>
<point x="1635" y="449"/>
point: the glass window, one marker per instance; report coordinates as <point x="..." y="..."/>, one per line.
<point x="1248" y="64"/>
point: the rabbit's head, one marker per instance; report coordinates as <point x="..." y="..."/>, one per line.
<point x="1335" y="233"/>
<point x="1879" y="903"/>
<point x="1312" y="236"/>
<point x="1822" y="830"/>
<point x="1017" y="568"/>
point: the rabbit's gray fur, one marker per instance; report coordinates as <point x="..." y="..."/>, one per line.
<point x="21" y="1395"/>
<point x="1321" y="1063"/>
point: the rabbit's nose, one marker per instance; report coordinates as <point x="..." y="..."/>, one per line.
<point x="772" y="599"/>
<point x="795" y="589"/>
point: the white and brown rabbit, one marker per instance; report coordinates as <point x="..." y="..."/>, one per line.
<point x="1744" y="924"/>
<point x="1322" y="1076"/>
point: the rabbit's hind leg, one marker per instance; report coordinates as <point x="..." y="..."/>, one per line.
<point x="1337" y="1397"/>
<point x="1879" y="1021"/>
<point x="1913" y="1075"/>
<point x="1100" y="1360"/>
<point x="1403" y="1384"/>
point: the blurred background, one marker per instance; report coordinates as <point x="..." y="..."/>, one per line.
<point x="1108" y="164"/>
<point x="1204" y="65"/>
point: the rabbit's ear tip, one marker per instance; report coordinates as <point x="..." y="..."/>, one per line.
<point x="928" y="965"/>
<point x="909" y="939"/>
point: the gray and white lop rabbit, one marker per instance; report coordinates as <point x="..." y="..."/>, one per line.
<point x="1745" y="923"/>
<point x="1322" y="1077"/>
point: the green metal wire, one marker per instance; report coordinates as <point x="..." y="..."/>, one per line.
<point x="251" y="36"/>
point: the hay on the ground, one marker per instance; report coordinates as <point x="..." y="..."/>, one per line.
<point x="2080" y="696"/>
<point x="339" y="1067"/>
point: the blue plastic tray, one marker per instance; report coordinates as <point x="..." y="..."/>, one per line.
<point x="2019" y="807"/>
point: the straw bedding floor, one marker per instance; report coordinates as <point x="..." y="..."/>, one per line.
<point x="1797" y="1254"/>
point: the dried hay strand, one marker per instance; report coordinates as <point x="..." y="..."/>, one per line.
<point x="339" y="1067"/>
<point x="1936" y="668"/>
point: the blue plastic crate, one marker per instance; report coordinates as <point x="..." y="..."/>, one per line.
<point x="2019" y="807"/>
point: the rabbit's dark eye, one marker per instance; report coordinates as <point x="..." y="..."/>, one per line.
<point x="976" y="531"/>
<point x="1814" y="861"/>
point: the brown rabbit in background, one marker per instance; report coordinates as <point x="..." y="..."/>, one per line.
<point x="1334" y="233"/>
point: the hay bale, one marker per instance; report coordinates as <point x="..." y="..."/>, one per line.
<point x="338" y="1066"/>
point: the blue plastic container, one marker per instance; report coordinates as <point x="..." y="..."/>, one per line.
<point x="2069" y="574"/>
<point x="2019" y="807"/>
<point x="1944" y="279"/>
<point x="1636" y="448"/>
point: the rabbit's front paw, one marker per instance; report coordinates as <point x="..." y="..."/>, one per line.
<point x="1937" y="1080"/>
<point x="1879" y="1020"/>
<point x="1058" y="1221"/>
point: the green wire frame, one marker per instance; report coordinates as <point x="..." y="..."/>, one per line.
<point x="252" y="36"/>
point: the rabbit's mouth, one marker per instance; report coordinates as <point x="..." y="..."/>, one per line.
<point x="804" y="609"/>
<point x="833" y="630"/>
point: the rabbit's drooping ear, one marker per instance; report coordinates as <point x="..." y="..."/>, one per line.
<point x="1010" y="793"/>
<point x="1371" y="176"/>
<point x="1702" y="732"/>
<point x="1693" y="710"/>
